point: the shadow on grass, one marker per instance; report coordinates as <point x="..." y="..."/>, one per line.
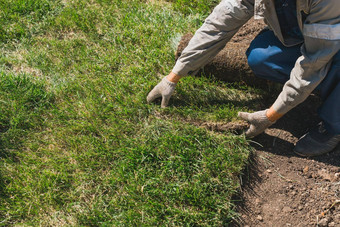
<point x="232" y="94"/>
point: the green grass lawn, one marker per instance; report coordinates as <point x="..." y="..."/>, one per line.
<point x="78" y="143"/>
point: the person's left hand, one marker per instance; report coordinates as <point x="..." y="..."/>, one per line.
<point x="163" y="89"/>
<point x="258" y="122"/>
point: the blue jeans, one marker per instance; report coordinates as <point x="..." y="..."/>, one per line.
<point x="270" y="59"/>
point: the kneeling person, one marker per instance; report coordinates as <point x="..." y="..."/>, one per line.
<point x="301" y="50"/>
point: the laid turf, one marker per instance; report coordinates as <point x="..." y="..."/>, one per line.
<point x="78" y="143"/>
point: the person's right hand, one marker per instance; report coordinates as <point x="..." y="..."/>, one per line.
<point x="258" y="122"/>
<point x="164" y="89"/>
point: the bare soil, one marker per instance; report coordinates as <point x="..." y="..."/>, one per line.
<point x="282" y="189"/>
<point x="279" y="188"/>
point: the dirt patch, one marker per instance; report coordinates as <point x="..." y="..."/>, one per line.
<point x="291" y="191"/>
<point x="283" y="189"/>
<point x="279" y="188"/>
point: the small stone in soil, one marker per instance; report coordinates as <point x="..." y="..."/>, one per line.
<point x="337" y="218"/>
<point x="332" y="224"/>
<point x="336" y="177"/>
<point x="305" y="170"/>
<point x="323" y="173"/>
<point x="323" y="222"/>
<point x="287" y="209"/>
<point x="300" y="207"/>
<point x="259" y="217"/>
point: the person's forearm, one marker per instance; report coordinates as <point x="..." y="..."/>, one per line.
<point x="212" y="36"/>
<point x="172" y="77"/>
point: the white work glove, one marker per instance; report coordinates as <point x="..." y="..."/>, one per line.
<point x="164" y="89"/>
<point x="258" y="122"/>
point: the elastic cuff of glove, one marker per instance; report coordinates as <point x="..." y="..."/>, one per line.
<point x="171" y="84"/>
<point x="265" y="115"/>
